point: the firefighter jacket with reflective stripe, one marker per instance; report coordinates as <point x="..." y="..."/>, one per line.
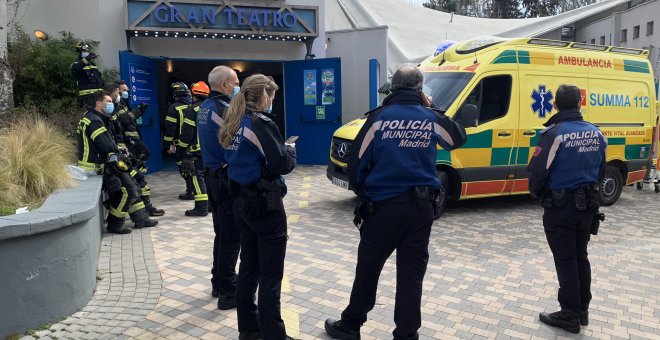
<point x="258" y="151"/>
<point x="189" y="138"/>
<point x="174" y="123"/>
<point x="95" y="141"/>
<point x="570" y="154"/>
<point x="396" y="148"/>
<point x="88" y="77"/>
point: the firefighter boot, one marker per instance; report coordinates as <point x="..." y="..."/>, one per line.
<point x="201" y="209"/>
<point x="142" y="220"/>
<point x="153" y="211"/>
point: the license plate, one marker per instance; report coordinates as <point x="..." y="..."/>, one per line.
<point x="340" y="183"/>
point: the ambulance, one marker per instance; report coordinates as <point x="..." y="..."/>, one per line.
<point x="502" y="91"/>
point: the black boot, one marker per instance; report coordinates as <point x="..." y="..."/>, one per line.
<point x="249" y="336"/>
<point x="142" y="220"/>
<point x="566" y="320"/>
<point x="201" y="209"/>
<point x="337" y="331"/>
<point x="153" y="211"/>
<point x="584" y="318"/>
<point x="116" y="225"/>
<point x="226" y="302"/>
<point x="187" y="196"/>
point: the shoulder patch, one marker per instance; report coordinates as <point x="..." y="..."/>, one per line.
<point x="548" y="128"/>
<point x="262" y="116"/>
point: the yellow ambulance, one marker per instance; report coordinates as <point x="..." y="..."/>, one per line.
<point x="502" y="90"/>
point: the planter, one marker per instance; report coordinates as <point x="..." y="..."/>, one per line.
<point x="48" y="258"/>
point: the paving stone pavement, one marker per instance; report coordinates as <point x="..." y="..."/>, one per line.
<point x="490" y="272"/>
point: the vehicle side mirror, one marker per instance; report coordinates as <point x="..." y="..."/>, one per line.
<point x="469" y="115"/>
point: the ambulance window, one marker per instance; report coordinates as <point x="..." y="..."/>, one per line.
<point x="492" y="97"/>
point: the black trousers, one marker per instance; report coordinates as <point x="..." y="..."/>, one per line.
<point x="126" y="201"/>
<point x="405" y="227"/>
<point x="199" y="184"/>
<point x="263" y="247"/>
<point x="227" y="241"/>
<point x="568" y="232"/>
<point x="190" y="188"/>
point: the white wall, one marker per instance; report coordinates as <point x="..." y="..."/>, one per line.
<point x="595" y="30"/>
<point x="356" y="48"/>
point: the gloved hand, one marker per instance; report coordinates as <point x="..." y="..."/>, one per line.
<point x="140" y="110"/>
<point x="188" y="166"/>
<point x="118" y="162"/>
<point x="111" y="184"/>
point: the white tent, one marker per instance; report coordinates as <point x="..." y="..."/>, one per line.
<point x="414" y="32"/>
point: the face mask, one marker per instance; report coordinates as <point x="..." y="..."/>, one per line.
<point x="269" y="109"/>
<point x="237" y="89"/>
<point x="117" y="99"/>
<point x="124" y="94"/>
<point x="109" y="108"/>
<point x="85" y="54"/>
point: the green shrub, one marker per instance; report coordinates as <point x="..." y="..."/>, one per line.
<point x="33" y="159"/>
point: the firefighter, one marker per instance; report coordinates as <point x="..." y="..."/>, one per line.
<point x="173" y="124"/>
<point x="125" y="119"/>
<point x="97" y="151"/>
<point x="87" y="75"/>
<point x="188" y="150"/>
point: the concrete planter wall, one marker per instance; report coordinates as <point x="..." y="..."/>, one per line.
<point x="48" y="258"/>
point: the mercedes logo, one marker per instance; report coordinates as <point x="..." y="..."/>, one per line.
<point x="341" y="150"/>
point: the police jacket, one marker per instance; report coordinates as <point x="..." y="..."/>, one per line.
<point x="396" y="150"/>
<point x="570" y="154"/>
<point x="188" y="139"/>
<point x="174" y="121"/>
<point x="95" y="141"/>
<point x="209" y="120"/>
<point x="88" y="76"/>
<point x="258" y="151"/>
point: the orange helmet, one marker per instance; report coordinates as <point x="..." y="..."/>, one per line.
<point x="200" y="89"/>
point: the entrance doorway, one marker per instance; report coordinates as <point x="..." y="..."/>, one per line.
<point x="308" y="104"/>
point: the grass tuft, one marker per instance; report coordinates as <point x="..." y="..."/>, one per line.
<point x="33" y="159"/>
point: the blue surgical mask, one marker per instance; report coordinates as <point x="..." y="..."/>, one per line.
<point x="84" y="54"/>
<point x="269" y="109"/>
<point x="237" y="89"/>
<point x="124" y="94"/>
<point x="109" y="108"/>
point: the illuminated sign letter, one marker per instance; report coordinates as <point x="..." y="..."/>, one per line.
<point x="290" y="20"/>
<point x="254" y="19"/>
<point x="160" y="14"/>
<point x="192" y="15"/>
<point x="209" y="16"/>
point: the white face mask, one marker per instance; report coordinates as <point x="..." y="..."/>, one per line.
<point x="85" y="54"/>
<point x="117" y="99"/>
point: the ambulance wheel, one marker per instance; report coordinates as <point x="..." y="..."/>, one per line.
<point x="640" y="185"/>
<point x="440" y="201"/>
<point x="611" y="186"/>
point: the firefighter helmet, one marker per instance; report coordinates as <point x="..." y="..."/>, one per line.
<point x="200" y="89"/>
<point x="82" y="47"/>
<point x="179" y="89"/>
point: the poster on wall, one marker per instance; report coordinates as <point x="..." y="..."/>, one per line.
<point x="140" y="86"/>
<point x="310" y="87"/>
<point x="328" y="79"/>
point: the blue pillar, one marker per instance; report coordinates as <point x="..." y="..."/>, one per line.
<point x="374" y="81"/>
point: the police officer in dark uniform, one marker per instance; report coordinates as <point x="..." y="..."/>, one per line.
<point x="87" y="75"/>
<point x="173" y="124"/>
<point x="98" y="152"/>
<point x="568" y="164"/>
<point x="124" y="119"/>
<point x="392" y="168"/>
<point x="188" y="150"/>
<point x="226" y="244"/>
<point x="257" y="159"/>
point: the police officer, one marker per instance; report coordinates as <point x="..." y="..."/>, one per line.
<point x="257" y="159"/>
<point x="392" y="168"/>
<point x="139" y="152"/>
<point x="97" y="151"/>
<point x="188" y="150"/>
<point x="226" y="244"/>
<point x="87" y="75"/>
<point x="568" y="164"/>
<point x="173" y="124"/>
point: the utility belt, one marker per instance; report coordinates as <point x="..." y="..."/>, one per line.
<point x="262" y="197"/>
<point x="420" y="196"/>
<point x="583" y="198"/>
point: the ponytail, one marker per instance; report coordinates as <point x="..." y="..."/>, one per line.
<point x="233" y="116"/>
